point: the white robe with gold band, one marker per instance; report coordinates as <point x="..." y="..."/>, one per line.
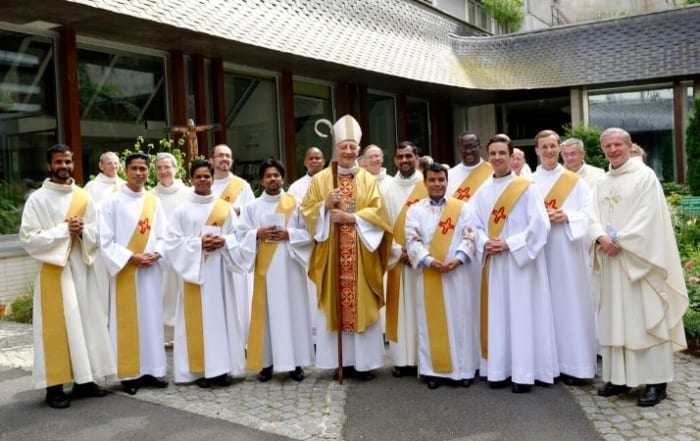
<point x="224" y="349"/>
<point x="287" y="330"/>
<point x="44" y="235"/>
<point x="569" y="271"/>
<point x="521" y="341"/>
<point x="118" y="220"/>
<point x="421" y="222"/>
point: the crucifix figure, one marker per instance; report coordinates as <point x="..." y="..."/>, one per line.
<point x="190" y="133"/>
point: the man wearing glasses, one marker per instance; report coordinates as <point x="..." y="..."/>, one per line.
<point x="573" y="154"/>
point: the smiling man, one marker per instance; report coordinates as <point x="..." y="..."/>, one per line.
<point x="71" y="342"/>
<point x="472" y="172"/>
<point x="574" y="155"/>
<point x="642" y="291"/>
<point x="568" y="203"/>
<point x="517" y="339"/>
<point x="348" y="218"/>
<point x="272" y="229"/>
<point x="132" y="231"/>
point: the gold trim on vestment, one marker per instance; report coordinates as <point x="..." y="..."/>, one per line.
<point x="471" y="183"/>
<point x="561" y="189"/>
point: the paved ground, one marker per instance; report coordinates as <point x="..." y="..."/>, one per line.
<point x="319" y="409"/>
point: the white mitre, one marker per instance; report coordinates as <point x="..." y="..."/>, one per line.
<point x="347" y="129"/>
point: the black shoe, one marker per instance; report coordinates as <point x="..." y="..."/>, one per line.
<point x="499" y="384"/>
<point x="519" y="388"/>
<point x="87" y="390"/>
<point x="609" y="389"/>
<point x="56" y="398"/>
<point x="297" y="374"/>
<point x="348" y="372"/>
<point x="223" y="380"/>
<point x="465" y="382"/>
<point x="203" y="383"/>
<point x="652" y="395"/>
<point x="265" y="374"/>
<point x="365" y="375"/>
<point x="151" y="381"/>
<point x="130" y="386"/>
<point x="404" y="371"/>
<point x="574" y="381"/>
<point x="433" y="382"/>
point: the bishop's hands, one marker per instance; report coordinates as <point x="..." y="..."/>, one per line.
<point x="495" y="246"/>
<point x="272" y="234"/>
<point x="557" y="216"/>
<point x="144" y="260"/>
<point x="75" y="226"/>
<point x="212" y="242"/>
<point x="608" y="245"/>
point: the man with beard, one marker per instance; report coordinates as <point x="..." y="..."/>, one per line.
<point x="132" y="231"/>
<point x="406" y="189"/>
<point x="203" y="250"/>
<point x="271" y="228"/>
<point x="71" y="342"/>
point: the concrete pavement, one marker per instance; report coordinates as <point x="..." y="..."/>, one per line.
<point x="319" y="409"/>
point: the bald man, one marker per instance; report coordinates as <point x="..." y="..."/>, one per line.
<point x="314" y="162"/>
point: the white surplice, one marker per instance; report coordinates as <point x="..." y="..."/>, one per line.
<point x="287" y="317"/>
<point x="44" y="235"/>
<point x="421" y="221"/>
<point x="570" y="283"/>
<point x="521" y="340"/>
<point x="224" y="347"/>
<point x="298" y="188"/>
<point x="404" y="351"/>
<point x="118" y="219"/>
<point x="242" y="282"/>
<point x="170" y="198"/>
<point x="642" y="294"/>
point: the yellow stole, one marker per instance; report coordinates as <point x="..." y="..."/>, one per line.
<point x="561" y="189"/>
<point x="432" y="288"/>
<point x="192" y="299"/>
<point x="232" y="190"/>
<point x="56" y="348"/>
<point x="497" y="220"/>
<point x="129" y="357"/>
<point x="266" y="250"/>
<point x="472" y="182"/>
<point x="393" y="282"/>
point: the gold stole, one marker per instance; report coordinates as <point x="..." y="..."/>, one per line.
<point x="192" y="299"/>
<point x="393" y="282"/>
<point x="501" y="210"/>
<point x="561" y="189"/>
<point x="232" y="190"/>
<point x="129" y="357"/>
<point x="266" y="250"/>
<point x="472" y="182"/>
<point x="56" y="348"/>
<point x="433" y="296"/>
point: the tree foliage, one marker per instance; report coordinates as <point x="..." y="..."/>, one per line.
<point x="590" y="135"/>
<point x="692" y="149"/>
<point x="507" y="13"/>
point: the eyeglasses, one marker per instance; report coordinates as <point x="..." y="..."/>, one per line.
<point x="570" y="154"/>
<point x="469" y="146"/>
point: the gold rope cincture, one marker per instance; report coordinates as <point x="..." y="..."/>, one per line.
<point x="57" y="361"/>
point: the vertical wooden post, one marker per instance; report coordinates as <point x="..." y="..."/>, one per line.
<point x="178" y="100"/>
<point x="218" y="99"/>
<point x="67" y="58"/>
<point x="288" y="124"/>
<point x="199" y="90"/>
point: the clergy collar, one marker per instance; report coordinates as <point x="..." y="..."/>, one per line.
<point x="630" y="165"/>
<point x="49" y="184"/>
<point x="439" y="203"/>
<point x="201" y="199"/>
<point x="271" y="198"/>
<point x="348" y="171"/>
<point x="507" y="177"/>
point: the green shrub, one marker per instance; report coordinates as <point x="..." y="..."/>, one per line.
<point x="507" y="13"/>
<point x="22" y="306"/>
<point x="691" y="323"/>
<point x="675" y="188"/>
<point x="692" y="149"/>
<point x="150" y="149"/>
<point x="590" y="135"/>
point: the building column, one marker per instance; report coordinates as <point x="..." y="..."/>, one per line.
<point x="67" y="59"/>
<point x="288" y="125"/>
<point x="218" y="100"/>
<point x="178" y="98"/>
<point x="679" y="116"/>
<point x="401" y="119"/>
<point x="578" y="107"/>
<point x="199" y="90"/>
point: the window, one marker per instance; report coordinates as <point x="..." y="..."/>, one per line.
<point x="28" y="122"/>
<point x="382" y="126"/>
<point x="418" y="124"/>
<point x="312" y="101"/>
<point x="121" y="97"/>
<point x="252" y="128"/>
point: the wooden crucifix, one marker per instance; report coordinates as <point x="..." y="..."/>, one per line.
<point x="189" y="132"/>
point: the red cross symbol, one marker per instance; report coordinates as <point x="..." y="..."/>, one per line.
<point x="463" y="193"/>
<point x="499" y="214"/>
<point x="227" y="198"/>
<point x="446" y="225"/>
<point x="144" y="225"/>
<point x="552" y="203"/>
<point x="411" y="202"/>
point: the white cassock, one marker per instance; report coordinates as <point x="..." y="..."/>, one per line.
<point x="421" y="221"/>
<point x="242" y="282"/>
<point x="170" y="198"/>
<point x="404" y="351"/>
<point x="298" y="189"/>
<point x="44" y="235"/>
<point x="521" y="341"/>
<point x="570" y="283"/>
<point x="100" y="189"/>
<point x="642" y="294"/>
<point x="118" y="220"/>
<point x="224" y="349"/>
<point x="287" y="317"/>
<point x="383" y="181"/>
